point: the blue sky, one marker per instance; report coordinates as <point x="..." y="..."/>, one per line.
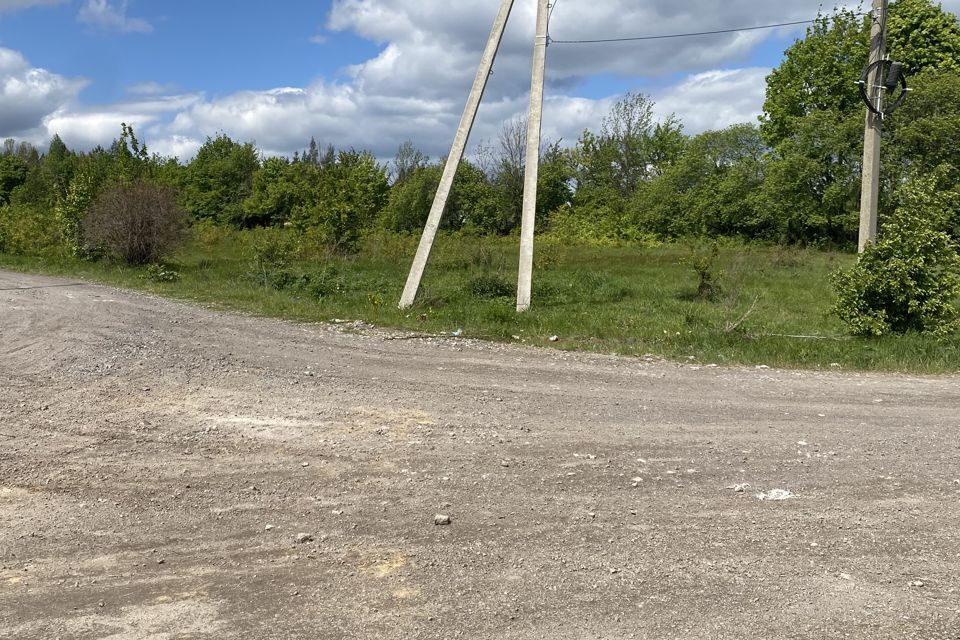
<point x="366" y="73"/>
<point x="191" y="46"/>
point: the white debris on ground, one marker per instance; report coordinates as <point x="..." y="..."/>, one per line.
<point x="776" y="495"/>
<point x="739" y="488"/>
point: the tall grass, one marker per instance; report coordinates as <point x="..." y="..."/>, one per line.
<point x="767" y="305"/>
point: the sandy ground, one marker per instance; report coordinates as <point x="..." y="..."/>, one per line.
<point x="158" y="462"/>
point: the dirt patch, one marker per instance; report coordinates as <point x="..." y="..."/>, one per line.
<point x="159" y="463"/>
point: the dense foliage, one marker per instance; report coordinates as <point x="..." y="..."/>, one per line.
<point x="793" y="178"/>
<point x="910" y="279"/>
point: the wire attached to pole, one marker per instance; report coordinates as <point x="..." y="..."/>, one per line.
<point x="687" y="35"/>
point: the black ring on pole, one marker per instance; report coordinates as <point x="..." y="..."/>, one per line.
<point x="865" y="96"/>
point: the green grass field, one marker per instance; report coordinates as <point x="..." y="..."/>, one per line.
<point x="772" y="307"/>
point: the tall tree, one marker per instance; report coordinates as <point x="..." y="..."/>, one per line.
<point x="13" y="173"/>
<point x="813" y="116"/>
<point x="279" y="187"/>
<point x="625" y="135"/>
<point x="59" y="164"/>
<point x="817" y="71"/>
<point x="219" y="179"/>
<point x="816" y="74"/>
<point x="923" y="36"/>
<point x="708" y="190"/>
<point x="408" y="160"/>
<point x="345" y="199"/>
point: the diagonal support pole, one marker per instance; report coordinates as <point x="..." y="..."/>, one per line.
<point x="532" y="165"/>
<point x="456" y="155"/>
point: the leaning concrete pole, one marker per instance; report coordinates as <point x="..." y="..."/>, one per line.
<point x="870" y="189"/>
<point x="532" y="163"/>
<point x="456" y="155"/>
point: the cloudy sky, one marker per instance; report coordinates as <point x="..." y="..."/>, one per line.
<point x="365" y="73"/>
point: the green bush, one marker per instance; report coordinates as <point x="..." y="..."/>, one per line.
<point x="703" y="261"/>
<point x="345" y="200"/>
<point x="70" y="211"/>
<point x="910" y="279"/>
<point x="161" y="273"/>
<point x="322" y="283"/>
<point x="273" y="251"/>
<point x="491" y="286"/>
<point x="30" y="230"/>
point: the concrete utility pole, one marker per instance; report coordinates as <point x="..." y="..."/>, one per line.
<point x="870" y="194"/>
<point x="532" y="166"/>
<point x="456" y="155"/>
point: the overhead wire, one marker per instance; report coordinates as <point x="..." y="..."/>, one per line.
<point x="553" y="6"/>
<point x="685" y="35"/>
<point x="667" y="36"/>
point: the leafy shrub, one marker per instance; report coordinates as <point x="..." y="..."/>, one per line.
<point x="138" y="223"/>
<point x="317" y="284"/>
<point x="161" y="273"/>
<point x="273" y="251"/>
<point x="213" y="236"/>
<point x="704" y="264"/>
<point x="345" y="200"/>
<point x="910" y="279"/>
<point x="548" y="253"/>
<point x="30" y="230"/>
<point x="491" y="286"/>
<point x="597" y="224"/>
<point x="71" y="209"/>
<point x="322" y="283"/>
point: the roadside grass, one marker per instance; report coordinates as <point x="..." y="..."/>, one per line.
<point x="769" y="305"/>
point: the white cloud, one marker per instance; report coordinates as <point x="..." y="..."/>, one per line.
<point x="28" y="95"/>
<point x="415" y="87"/>
<point x="715" y="99"/>
<point x="151" y="88"/>
<point x="434" y="45"/>
<point x="103" y="14"/>
<point x="181" y="147"/>
<point x="88" y="127"/>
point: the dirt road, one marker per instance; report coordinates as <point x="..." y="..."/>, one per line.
<point x="158" y="462"/>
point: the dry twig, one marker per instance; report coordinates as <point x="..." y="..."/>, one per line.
<point x="733" y="326"/>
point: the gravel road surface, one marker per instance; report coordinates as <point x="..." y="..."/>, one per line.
<point x="169" y="471"/>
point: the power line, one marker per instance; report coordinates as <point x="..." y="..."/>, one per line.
<point x="685" y="35"/>
<point x="553" y="6"/>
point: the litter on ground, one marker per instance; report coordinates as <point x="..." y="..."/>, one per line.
<point x="775" y="494"/>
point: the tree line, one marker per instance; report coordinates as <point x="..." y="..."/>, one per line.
<point x="792" y="178"/>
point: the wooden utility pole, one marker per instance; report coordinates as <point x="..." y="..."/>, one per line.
<point x="532" y="165"/>
<point x="456" y="155"/>
<point x="870" y="190"/>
